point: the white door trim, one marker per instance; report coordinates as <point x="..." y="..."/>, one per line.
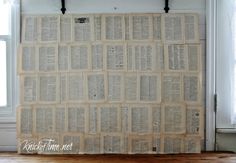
<point x="210" y="74"/>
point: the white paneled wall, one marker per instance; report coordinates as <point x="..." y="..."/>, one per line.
<point x="107" y="6"/>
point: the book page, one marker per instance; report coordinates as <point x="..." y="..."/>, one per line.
<point x="157" y="27"/>
<point x="92" y="144"/>
<point x="176" y="57"/>
<point x="96" y="87"/>
<point x="111" y="144"/>
<point x="130" y="57"/>
<point x="192" y="145"/>
<point x="191" y="28"/>
<point x="140" y="144"/>
<point x="97" y="27"/>
<point x="30" y="29"/>
<point x="21" y="142"/>
<point x="48" y="88"/>
<point x="97" y="57"/>
<point x="48" y="144"/>
<point x="63" y="87"/>
<point x="125" y="145"/>
<point x="49" y="28"/>
<point x="63" y="57"/>
<point x="156" y="119"/>
<point x="171" y="88"/>
<point x="29" y="89"/>
<point x="44" y="119"/>
<point x="156" y="144"/>
<point x="173" y="144"/>
<point x="193" y="54"/>
<point x="128" y="27"/>
<point x="150" y="88"/>
<point x="47" y="58"/>
<point x="141" y="27"/>
<point x="115" y="82"/>
<point x="173" y="28"/>
<point x="60" y="118"/>
<point x="143" y="57"/>
<point x="76" y="118"/>
<point x="93" y="119"/>
<point x="110" y="119"/>
<point x="139" y="119"/>
<point x="131" y="85"/>
<point x="174" y="118"/>
<point x="82" y="28"/>
<point x="191" y="88"/>
<point x="65" y="28"/>
<point x="76" y="87"/>
<point x="114" y="27"/>
<point x="79" y="57"/>
<point x="26" y="120"/>
<point x="75" y="140"/>
<point x="193" y="121"/>
<point x="158" y="57"/>
<point x="125" y="119"/>
<point x="115" y="56"/>
<point x="28" y="58"/>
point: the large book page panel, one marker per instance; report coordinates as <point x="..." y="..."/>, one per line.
<point x="111" y="83"/>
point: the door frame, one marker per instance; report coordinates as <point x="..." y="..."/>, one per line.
<point x="210" y="124"/>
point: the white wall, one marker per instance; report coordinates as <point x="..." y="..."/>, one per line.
<point x="105" y="6"/>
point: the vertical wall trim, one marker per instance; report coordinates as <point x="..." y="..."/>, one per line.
<point x="210" y="74"/>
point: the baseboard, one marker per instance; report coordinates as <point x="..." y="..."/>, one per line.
<point x="8" y="149"/>
<point x="8" y="140"/>
<point x="226" y="142"/>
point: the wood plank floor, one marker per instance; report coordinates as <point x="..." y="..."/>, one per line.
<point x="178" y="158"/>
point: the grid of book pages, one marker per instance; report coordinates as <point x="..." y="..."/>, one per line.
<point x="110" y="83"/>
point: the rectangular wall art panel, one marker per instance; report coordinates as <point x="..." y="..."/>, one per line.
<point x="110" y="83"/>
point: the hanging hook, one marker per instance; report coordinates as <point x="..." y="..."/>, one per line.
<point x="166" y="6"/>
<point x="63" y="8"/>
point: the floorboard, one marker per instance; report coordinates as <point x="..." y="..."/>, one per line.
<point x="177" y="158"/>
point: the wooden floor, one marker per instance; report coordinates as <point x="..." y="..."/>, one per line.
<point x="180" y="158"/>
